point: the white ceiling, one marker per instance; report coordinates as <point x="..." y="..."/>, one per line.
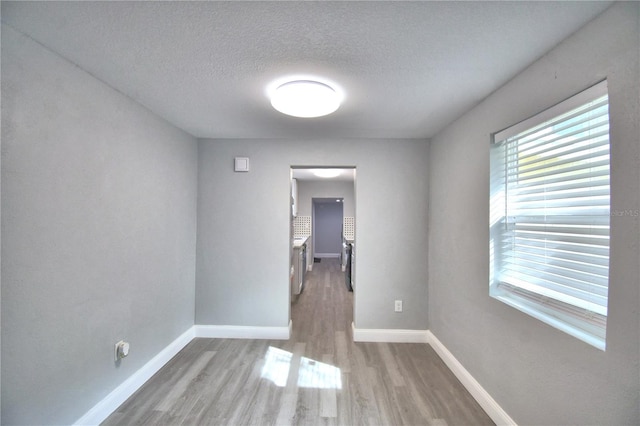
<point x="407" y="68"/>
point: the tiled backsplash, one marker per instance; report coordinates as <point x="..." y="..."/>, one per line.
<point x="349" y="227"/>
<point x="301" y="226"/>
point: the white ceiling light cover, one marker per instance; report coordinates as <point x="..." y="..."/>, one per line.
<point x="327" y="173"/>
<point x="305" y="98"/>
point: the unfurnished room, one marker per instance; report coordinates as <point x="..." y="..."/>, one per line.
<point x="320" y="212"/>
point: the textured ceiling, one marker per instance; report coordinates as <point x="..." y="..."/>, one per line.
<point x="407" y="68"/>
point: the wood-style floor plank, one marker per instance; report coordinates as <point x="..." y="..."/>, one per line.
<point x="318" y="377"/>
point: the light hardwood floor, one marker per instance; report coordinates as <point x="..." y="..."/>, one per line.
<point x="318" y="377"/>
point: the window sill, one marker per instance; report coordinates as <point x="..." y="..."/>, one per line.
<point x="590" y="334"/>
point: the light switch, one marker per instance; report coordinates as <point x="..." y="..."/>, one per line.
<point x="241" y="164"/>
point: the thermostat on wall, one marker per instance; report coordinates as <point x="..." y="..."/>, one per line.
<point x="241" y="164"/>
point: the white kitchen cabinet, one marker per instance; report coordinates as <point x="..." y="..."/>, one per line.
<point x="299" y="261"/>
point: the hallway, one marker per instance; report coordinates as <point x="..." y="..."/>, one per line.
<point x="319" y="376"/>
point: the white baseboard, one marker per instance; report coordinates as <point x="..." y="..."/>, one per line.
<point x="388" y="335"/>
<point x="242" y="332"/>
<point x="488" y="404"/>
<point x="327" y="255"/>
<point x="111" y="402"/>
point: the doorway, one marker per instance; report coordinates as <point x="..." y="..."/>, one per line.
<point x="323" y="218"/>
<point x="322" y="209"/>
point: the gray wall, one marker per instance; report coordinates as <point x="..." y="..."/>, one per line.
<point x="0" y="269"/>
<point x="307" y="190"/>
<point x="98" y="235"/>
<point x="327" y="228"/>
<point x="242" y="273"/>
<point x="537" y="374"/>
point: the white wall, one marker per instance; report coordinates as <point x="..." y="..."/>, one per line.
<point x="307" y="190"/>
<point x="242" y="273"/>
<point x="537" y="374"/>
<point x="98" y="235"/>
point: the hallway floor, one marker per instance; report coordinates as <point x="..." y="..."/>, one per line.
<point x="319" y="376"/>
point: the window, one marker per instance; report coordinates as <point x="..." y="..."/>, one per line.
<point x="549" y="219"/>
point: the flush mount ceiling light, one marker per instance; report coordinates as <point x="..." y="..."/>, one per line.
<point x="327" y="173"/>
<point x="305" y="98"/>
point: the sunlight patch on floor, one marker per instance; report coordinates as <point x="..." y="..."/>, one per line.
<point x="311" y="374"/>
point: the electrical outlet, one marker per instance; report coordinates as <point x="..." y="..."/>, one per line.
<point x="398" y="305"/>
<point x="121" y="350"/>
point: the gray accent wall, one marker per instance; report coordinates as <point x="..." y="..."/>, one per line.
<point x="538" y="374"/>
<point x="327" y="227"/>
<point x="98" y="235"/>
<point x="242" y="273"/>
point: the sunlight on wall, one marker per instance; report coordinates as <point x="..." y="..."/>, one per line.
<point x="311" y="374"/>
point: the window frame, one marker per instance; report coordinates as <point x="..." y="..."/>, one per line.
<point x="587" y="323"/>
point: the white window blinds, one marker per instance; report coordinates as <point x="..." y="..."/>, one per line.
<point x="550" y="215"/>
